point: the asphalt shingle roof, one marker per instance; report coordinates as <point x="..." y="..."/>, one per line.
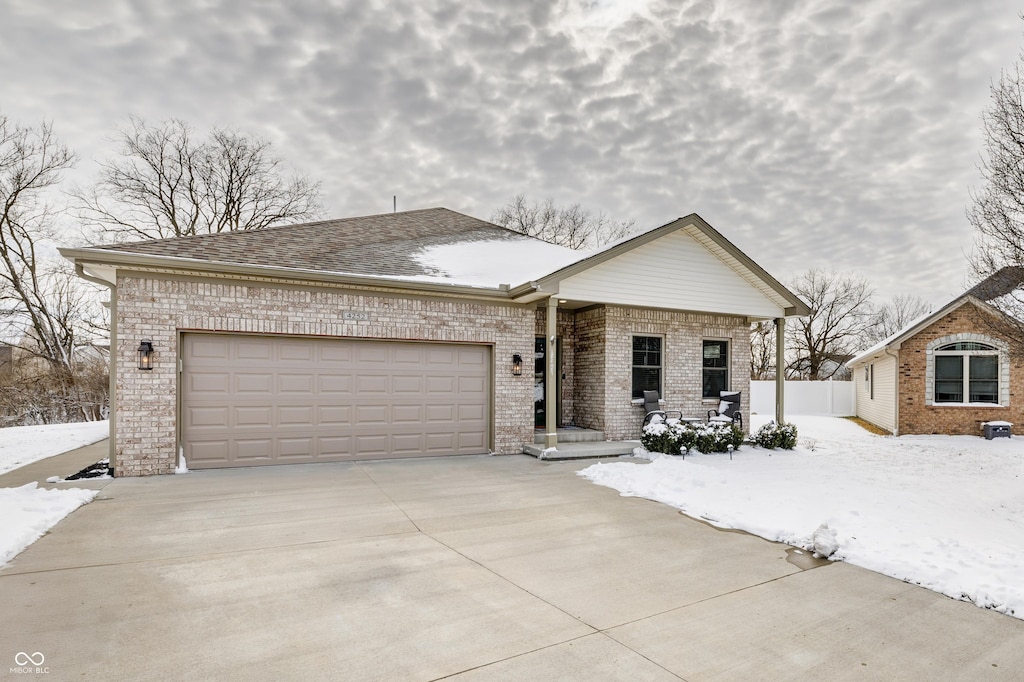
<point x="381" y="245"/>
<point x="999" y="283"/>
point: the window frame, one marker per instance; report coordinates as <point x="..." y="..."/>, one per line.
<point x="704" y="369"/>
<point x="633" y="366"/>
<point x="979" y="349"/>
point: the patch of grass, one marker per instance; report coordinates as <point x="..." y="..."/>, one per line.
<point x="868" y="426"/>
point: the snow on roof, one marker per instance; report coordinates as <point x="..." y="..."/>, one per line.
<point x="494" y="261"/>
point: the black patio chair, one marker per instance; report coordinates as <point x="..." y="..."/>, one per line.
<point x="728" y="409"/>
<point x="653" y="412"/>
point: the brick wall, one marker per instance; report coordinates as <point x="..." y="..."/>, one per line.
<point x="915" y="375"/>
<point x="157" y="308"/>
<point x="589" y="368"/>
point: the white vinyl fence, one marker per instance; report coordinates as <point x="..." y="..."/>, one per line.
<point x="820" y="398"/>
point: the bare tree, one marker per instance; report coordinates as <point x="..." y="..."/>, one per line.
<point x="823" y="341"/>
<point x="762" y="351"/>
<point x="574" y="226"/>
<point x="164" y="183"/>
<point x="893" y="316"/>
<point x="39" y="295"/>
<point x="997" y="210"/>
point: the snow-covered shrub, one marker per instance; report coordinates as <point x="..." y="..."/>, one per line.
<point x="659" y="437"/>
<point x="717" y="436"/>
<point x="773" y="436"/>
<point x="680" y="437"/>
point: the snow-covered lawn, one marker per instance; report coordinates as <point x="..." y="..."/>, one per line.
<point x="29" y="511"/>
<point x="26" y="513"/>
<point x="944" y="512"/>
<point x="21" y="445"/>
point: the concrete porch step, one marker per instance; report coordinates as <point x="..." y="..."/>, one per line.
<point x="583" y="450"/>
<point x="571" y="435"/>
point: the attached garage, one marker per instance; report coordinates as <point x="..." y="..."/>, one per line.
<point x="249" y="400"/>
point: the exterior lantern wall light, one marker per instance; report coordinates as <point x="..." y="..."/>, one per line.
<point x="517" y="365"/>
<point x="146" y="354"/>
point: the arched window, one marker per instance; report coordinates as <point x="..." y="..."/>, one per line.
<point x="966" y="372"/>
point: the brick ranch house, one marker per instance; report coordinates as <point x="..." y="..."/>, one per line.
<point x="413" y="334"/>
<point x="947" y="372"/>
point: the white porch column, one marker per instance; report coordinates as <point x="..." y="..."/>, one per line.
<point x="780" y="369"/>
<point x="551" y="375"/>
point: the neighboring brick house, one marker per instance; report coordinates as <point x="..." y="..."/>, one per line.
<point x="947" y="372"/>
<point x="411" y="334"/>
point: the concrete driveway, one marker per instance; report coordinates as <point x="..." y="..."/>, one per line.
<point x="469" y="568"/>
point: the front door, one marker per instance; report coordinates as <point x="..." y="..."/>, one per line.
<point x="539" y="367"/>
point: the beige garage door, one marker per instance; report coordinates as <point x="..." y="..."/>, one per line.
<point x="254" y="400"/>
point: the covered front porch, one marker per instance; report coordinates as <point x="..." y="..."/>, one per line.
<point x="668" y="311"/>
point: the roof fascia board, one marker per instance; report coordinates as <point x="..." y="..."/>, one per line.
<point x="135" y="261"/>
<point x="896" y="342"/>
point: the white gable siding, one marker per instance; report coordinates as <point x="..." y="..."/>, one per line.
<point x="673" y="272"/>
<point x="881" y="410"/>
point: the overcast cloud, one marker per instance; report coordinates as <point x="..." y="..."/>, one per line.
<point x="811" y="133"/>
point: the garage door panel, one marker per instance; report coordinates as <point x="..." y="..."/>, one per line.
<point x="440" y="384"/>
<point x="208" y="416"/>
<point x="336" y="384"/>
<point x="374" y="415"/>
<point x="254" y="449"/>
<point x="407" y="355"/>
<point x="406" y="444"/>
<point x="469" y="385"/>
<point x="209" y="382"/>
<point x="301" y="384"/>
<point x="471" y="412"/>
<point x="253" y="416"/>
<point x="336" y="353"/>
<point x="371" y="446"/>
<point x="274" y="400"/>
<point x="335" y="446"/>
<point x="404" y="383"/>
<point x="259" y="384"/>
<point x="298" y="351"/>
<point x="372" y="354"/>
<point x="372" y="384"/>
<point x="295" y="416"/>
<point x="331" y="415"/>
<point x="440" y="413"/>
<point x="407" y="414"/>
<point x="252" y="348"/>
<point x="295" y="448"/>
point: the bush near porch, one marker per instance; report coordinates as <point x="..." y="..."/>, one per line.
<point x="682" y="437"/>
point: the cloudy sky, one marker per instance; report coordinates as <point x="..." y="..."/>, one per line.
<point x="810" y="132"/>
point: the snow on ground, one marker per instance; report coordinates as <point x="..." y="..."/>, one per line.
<point x="29" y="511"/>
<point x="21" y="445"/>
<point x="944" y="512"/>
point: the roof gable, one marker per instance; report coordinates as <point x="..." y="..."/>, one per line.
<point x="706" y="251"/>
<point x="675" y="271"/>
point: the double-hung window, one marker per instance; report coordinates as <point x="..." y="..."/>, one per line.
<point x="966" y="372"/>
<point x="716" y="368"/>
<point x="646" y="365"/>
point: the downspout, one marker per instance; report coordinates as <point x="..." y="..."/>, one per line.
<point x="112" y="388"/>
<point x="895" y="390"/>
<point x="780" y="370"/>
